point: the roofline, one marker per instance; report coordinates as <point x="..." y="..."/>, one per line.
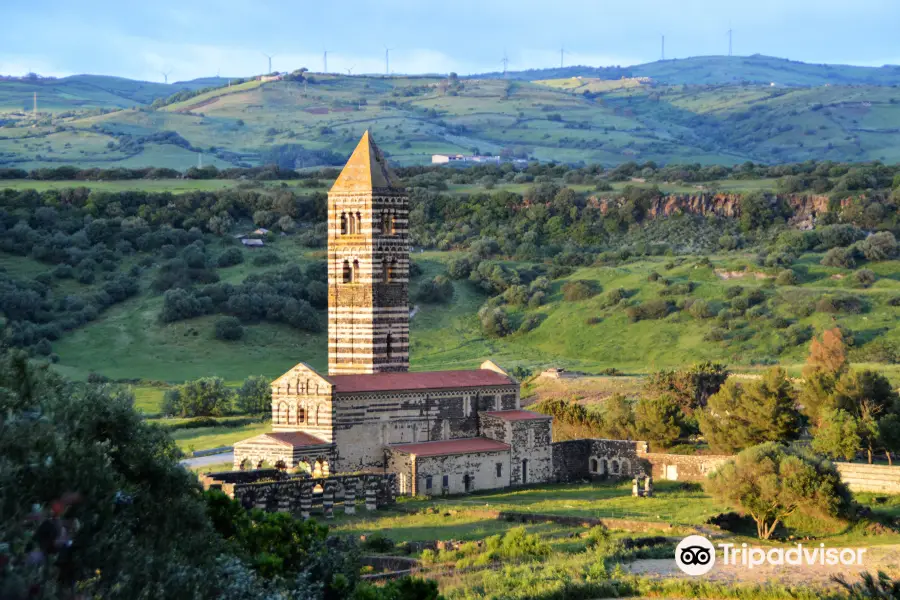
<point x="338" y="392"/>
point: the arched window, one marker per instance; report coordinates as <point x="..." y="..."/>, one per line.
<point x="289" y="387"/>
<point x="389" y="343"/>
<point x="593" y="465"/>
<point x="358" y="223"/>
<point x="344" y="226"/>
<point x="386" y="223"/>
<point x="614" y="467"/>
<point x="301" y="415"/>
<point x="355" y="275"/>
<point x="348" y="272"/>
<point x="385" y="271"/>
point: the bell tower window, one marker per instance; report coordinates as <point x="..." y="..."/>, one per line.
<point x="389" y="345"/>
<point x="344" y="227"/>
<point x="348" y="272"/>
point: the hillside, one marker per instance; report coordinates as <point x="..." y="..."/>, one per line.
<point x="724" y="70"/>
<point x="413" y="118"/>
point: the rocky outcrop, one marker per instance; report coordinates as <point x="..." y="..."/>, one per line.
<point x="806" y="207"/>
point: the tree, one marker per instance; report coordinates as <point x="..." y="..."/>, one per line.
<point x="658" y="419"/>
<point x="770" y="482"/>
<point x="869" y="397"/>
<point x="837" y="434"/>
<point x="618" y="417"/>
<point x="229" y="329"/>
<point x="255" y="395"/>
<point x="204" y="397"/>
<point x="889" y="434"/>
<point x="743" y="415"/>
<point x="690" y="387"/>
<point x="828" y="354"/>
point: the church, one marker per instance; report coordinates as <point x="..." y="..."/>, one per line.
<point x="437" y="432"/>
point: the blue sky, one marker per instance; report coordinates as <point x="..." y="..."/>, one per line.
<point x="194" y="39"/>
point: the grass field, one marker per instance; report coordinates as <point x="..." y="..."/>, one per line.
<point x="201" y="438"/>
<point x="128" y="341"/>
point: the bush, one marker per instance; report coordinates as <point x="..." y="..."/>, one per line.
<point x="459" y="268"/>
<point x="266" y="257"/>
<point x="204" y="397"/>
<point x="438" y="290"/>
<point x="528" y="323"/>
<point x="229" y="258"/>
<point x="839" y="257"/>
<point x="495" y="321"/>
<point x="864" y="277"/>
<point x="700" y="309"/>
<point x="578" y="290"/>
<point x="651" y="309"/>
<point x="787" y="277"/>
<point x="879" y="246"/>
<point x="229" y="329"/>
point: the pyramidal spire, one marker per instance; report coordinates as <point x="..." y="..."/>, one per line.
<point x="366" y="170"/>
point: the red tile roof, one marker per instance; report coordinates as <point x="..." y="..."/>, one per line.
<point x="434" y="380"/>
<point x="287" y="438"/>
<point x="516" y="415"/>
<point x="463" y="446"/>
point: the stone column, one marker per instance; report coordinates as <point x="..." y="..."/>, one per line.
<point x="305" y="500"/>
<point x="372" y="495"/>
<point x="328" y="500"/>
<point x="350" y="489"/>
<point x="648" y="486"/>
<point x="634" y="488"/>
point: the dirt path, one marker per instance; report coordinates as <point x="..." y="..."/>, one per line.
<point x="884" y="558"/>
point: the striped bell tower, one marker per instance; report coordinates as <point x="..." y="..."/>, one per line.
<point x="368" y="267"/>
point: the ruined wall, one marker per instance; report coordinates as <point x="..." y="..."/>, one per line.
<point x="680" y="467"/>
<point x="401" y="465"/>
<point x="365" y="423"/>
<point x="870" y="478"/>
<point x="581" y="459"/>
<point x="481" y="468"/>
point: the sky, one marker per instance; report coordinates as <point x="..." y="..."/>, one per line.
<point x="143" y="40"/>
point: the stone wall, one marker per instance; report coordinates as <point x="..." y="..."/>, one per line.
<point x="297" y="494"/>
<point x="870" y="478"/>
<point x="531" y="455"/>
<point x="583" y="459"/>
<point x="682" y="467"/>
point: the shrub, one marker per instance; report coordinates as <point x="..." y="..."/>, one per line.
<point x="613" y="297"/>
<point x="734" y="292"/>
<point x="438" y="290"/>
<point x="378" y="542"/>
<point x="700" y="309"/>
<point x="495" y="321"/>
<point x="651" y="309"/>
<point x="528" y="323"/>
<point x="879" y="246"/>
<point x="229" y="329"/>
<point x="578" y="290"/>
<point x="716" y="334"/>
<point x="864" y="277"/>
<point x="229" y="258"/>
<point x="787" y="277"/>
<point x="839" y="257"/>
<point x="266" y="257"/>
<point x="207" y="396"/>
<point x="459" y="268"/>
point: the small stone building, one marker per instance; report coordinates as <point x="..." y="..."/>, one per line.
<point x="438" y="432"/>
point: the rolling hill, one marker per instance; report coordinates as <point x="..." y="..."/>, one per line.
<point x="710" y="110"/>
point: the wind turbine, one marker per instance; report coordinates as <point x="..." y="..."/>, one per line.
<point x="165" y="75"/>
<point x="730" y="32"/>
<point x="350" y="70"/>
<point x="270" y="57"/>
<point x="387" y="60"/>
<point x="505" y="62"/>
<point x="662" y="55"/>
<point x="325" y="61"/>
<point x="562" y="52"/>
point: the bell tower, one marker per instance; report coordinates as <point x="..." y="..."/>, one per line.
<point x="368" y="267"/>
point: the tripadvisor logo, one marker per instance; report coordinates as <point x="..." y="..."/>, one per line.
<point x="696" y="555"/>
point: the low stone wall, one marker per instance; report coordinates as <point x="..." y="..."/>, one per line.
<point x="870" y="478"/>
<point x="682" y="467"/>
<point x="576" y="460"/>
<point x="273" y="491"/>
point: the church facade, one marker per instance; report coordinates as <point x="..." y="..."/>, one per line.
<point x="438" y="432"/>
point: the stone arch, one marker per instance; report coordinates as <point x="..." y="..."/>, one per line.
<point x="303" y="466"/>
<point x="604" y="466"/>
<point x="347" y="272"/>
<point x="321" y="468"/>
<point x="625" y="466"/>
<point x="301" y="414"/>
<point x="594" y="465"/>
<point x="245" y="465"/>
<point x="281" y="465"/>
<point x="614" y="467"/>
